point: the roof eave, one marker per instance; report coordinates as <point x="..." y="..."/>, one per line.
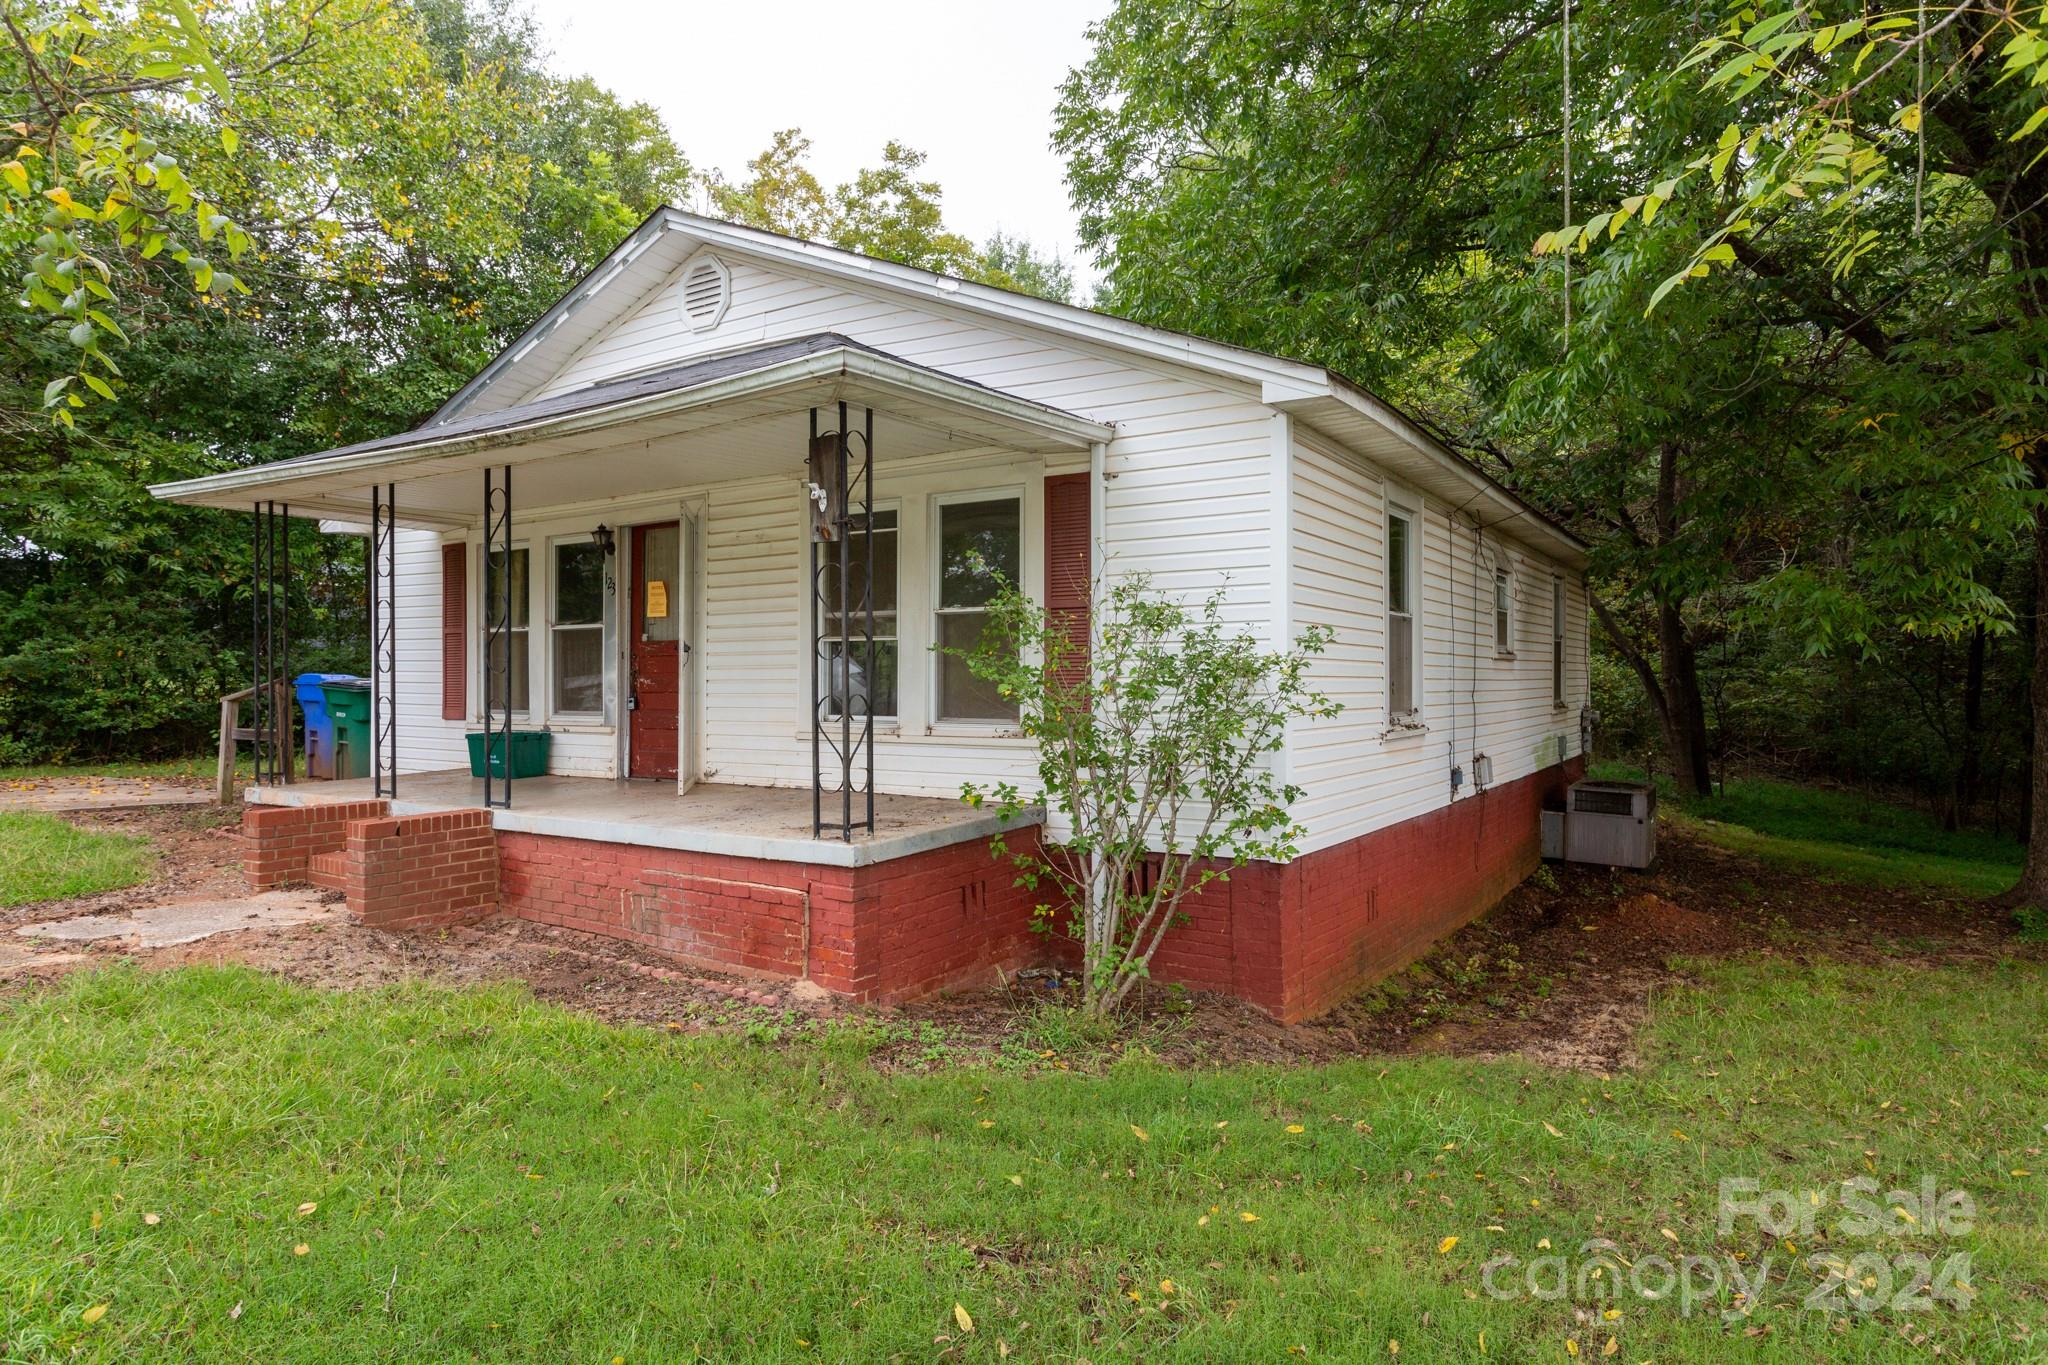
<point x="1480" y="490"/>
<point x="1065" y="429"/>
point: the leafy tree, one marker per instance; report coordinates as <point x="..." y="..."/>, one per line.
<point x="1013" y="263"/>
<point x="1866" y="155"/>
<point x="887" y="211"/>
<point x="781" y="194"/>
<point x="1153" y="751"/>
<point x="1362" y="187"/>
<point x="416" y="186"/>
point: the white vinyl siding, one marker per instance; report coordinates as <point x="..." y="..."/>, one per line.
<point x="1190" y="499"/>
<point x="1357" y="774"/>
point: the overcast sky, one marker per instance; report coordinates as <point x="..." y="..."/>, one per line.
<point x="971" y="84"/>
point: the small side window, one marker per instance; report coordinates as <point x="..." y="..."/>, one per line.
<point x="1503" y="612"/>
<point x="1557" y="642"/>
<point x="1401" y="657"/>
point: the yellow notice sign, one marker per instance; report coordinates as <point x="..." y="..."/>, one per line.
<point x="657" y="599"/>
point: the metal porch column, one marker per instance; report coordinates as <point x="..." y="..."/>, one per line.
<point x="270" y="641"/>
<point x="383" y="572"/>
<point x="498" y="635"/>
<point x="842" y="624"/>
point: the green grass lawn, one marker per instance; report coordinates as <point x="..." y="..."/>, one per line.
<point x="213" y="1165"/>
<point x="45" y="858"/>
<point x="1843" y="835"/>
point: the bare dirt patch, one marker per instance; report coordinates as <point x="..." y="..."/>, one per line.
<point x="1561" y="973"/>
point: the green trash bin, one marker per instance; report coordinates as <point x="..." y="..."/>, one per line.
<point x="529" y="754"/>
<point x="349" y="704"/>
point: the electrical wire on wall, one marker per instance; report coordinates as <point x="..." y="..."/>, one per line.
<point x="1472" y="707"/>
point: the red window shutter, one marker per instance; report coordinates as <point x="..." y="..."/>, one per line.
<point x="1068" y="541"/>
<point x="454" y="632"/>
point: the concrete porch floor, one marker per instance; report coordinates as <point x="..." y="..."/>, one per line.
<point x="713" y="817"/>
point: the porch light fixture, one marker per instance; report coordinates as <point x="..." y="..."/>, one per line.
<point x="604" y="539"/>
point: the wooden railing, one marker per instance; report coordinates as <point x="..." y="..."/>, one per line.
<point x="233" y="732"/>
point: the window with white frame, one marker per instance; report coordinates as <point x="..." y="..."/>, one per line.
<point x="1503" y="611"/>
<point x="873" y="679"/>
<point x="1557" y="642"/>
<point x="507" y="662"/>
<point x="977" y="551"/>
<point x="579" y="627"/>
<point x="1401" y="587"/>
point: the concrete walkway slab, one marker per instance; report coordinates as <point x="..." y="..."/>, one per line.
<point x="165" y="926"/>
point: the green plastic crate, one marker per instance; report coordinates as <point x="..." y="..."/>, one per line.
<point x="529" y="754"/>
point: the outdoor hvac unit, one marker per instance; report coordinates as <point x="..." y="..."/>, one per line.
<point x="1613" y="824"/>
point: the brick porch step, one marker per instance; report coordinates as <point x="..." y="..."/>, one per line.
<point x="328" y="871"/>
<point x="397" y="872"/>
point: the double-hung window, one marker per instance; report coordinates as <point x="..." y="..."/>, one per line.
<point x="871" y="682"/>
<point x="978" y="551"/>
<point x="1557" y="642"/>
<point x="506" y="660"/>
<point x="1401" y="587"/>
<point x="578" y="627"/>
<point x="1503" y="612"/>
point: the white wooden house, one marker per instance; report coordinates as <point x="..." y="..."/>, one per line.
<point x="643" y="461"/>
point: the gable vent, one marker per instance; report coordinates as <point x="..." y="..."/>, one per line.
<point x="707" y="289"/>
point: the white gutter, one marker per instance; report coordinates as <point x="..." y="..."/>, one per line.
<point x="1483" y="490"/>
<point x="839" y="362"/>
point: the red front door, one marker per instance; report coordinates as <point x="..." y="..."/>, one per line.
<point x="656" y="693"/>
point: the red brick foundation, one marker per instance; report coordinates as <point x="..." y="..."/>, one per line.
<point x="1362" y="910"/>
<point x="1299" y="938"/>
<point x="887" y="931"/>
<point x="1293" y="939"/>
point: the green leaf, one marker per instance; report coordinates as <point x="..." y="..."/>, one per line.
<point x="229" y="140"/>
<point x="98" y="385"/>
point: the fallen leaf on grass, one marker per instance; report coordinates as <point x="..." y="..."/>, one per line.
<point x="960" y="1316"/>
<point x="151" y="1219"/>
<point x="93" y="1314"/>
<point x="301" y="1249"/>
<point x="1443" y="1248"/>
<point x="307" y="1208"/>
<point x="1140" y="1134"/>
<point x="1296" y="1128"/>
<point x="1248" y="1217"/>
<point x="1550" y="1129"/>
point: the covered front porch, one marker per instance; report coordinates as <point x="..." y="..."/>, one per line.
<point x="716" y="589"/>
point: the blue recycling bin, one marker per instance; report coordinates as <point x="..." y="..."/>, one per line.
<point x="319" y="722"/>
